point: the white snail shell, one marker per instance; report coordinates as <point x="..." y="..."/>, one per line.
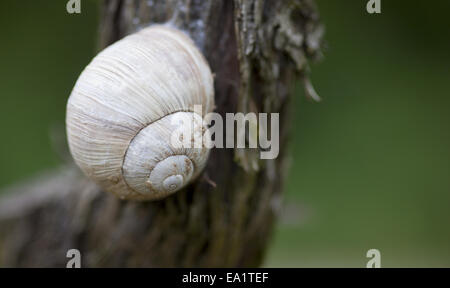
<point x="127" y="103"/>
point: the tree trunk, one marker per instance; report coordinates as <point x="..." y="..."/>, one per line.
<point x="255" y="48"/>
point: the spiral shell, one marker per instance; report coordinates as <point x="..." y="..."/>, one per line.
<point x="125" y="107"/>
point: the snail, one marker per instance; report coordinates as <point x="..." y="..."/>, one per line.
<point x="127" y="104"/>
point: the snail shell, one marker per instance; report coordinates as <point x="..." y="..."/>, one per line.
<point x="125" y="107"/>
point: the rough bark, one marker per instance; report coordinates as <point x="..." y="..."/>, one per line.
<point x="255" y="48"/>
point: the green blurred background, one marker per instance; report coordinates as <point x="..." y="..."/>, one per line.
<point x="370" y="165"/>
